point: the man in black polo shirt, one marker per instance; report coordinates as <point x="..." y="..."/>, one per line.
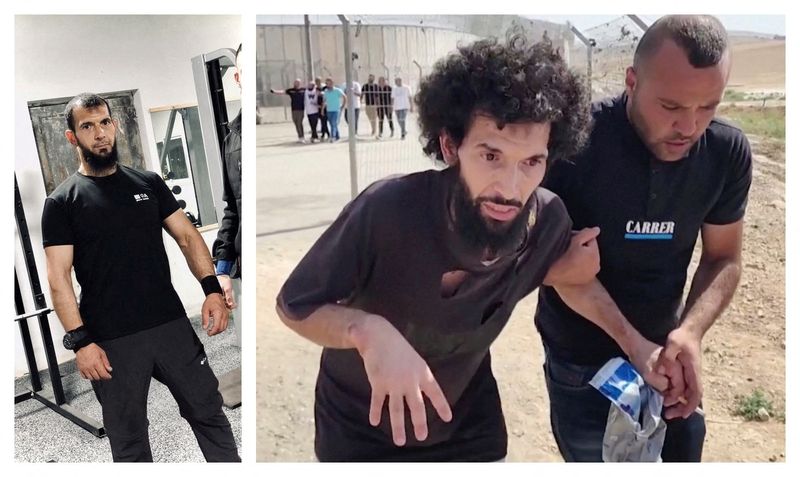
<point x="659" y="169"/>
<point x="370" y="93"/>
<point x="106" y="220"/>
<point x="418" y="275"/>
<point x="297" y="94"/>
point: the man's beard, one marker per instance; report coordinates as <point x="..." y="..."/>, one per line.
<point x="500" y="238"/>
<point x="100" y="163"/>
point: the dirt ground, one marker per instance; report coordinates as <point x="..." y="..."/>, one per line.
<point x="758" y="65"/>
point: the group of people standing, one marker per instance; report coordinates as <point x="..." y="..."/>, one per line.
<point x="324" y="104"/>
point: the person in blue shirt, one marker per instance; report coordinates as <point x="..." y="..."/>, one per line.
<point x="335" y="102"/>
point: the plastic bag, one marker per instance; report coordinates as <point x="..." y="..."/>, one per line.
<point x="635" y="430"/>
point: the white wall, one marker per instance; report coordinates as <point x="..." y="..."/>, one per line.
<point x="61" y="56"/>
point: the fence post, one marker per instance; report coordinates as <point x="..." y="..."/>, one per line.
<point x="351" y="110"/>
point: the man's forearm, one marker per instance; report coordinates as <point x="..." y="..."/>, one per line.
<point x="333" y="326"/>
<point x="65" y="304"/>
<point x="713" y="286"/>
<point x="197" y="256"/>
<point x="592" y="301"/>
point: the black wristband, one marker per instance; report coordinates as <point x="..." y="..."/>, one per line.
<point x="210" y="285"/>
<point x="77" y="339"/>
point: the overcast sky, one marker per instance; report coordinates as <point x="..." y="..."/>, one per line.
<point x="771" y="24"/>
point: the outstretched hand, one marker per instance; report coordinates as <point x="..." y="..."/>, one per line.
<point x="396" y="370"/>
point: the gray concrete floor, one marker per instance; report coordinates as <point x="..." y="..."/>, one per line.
<point x="301" y="186"/>
<point x="41" y="435"/>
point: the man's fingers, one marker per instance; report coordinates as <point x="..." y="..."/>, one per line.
<point x="694" y="388"/>
<point x="669" y="353"/>
<point x="431" y="389"/>
<point x="376" y="407"/>
<point x="418" y="417"/>
<point x="584" y="236"/>
<point x="678" y="410"/>
<point x="214" y="328"/>
<point x="93" y="374"/>
<point x="397" y="418"/>
<point x="101" y="371"/>
<point x="658" y="381"/>
<point x="205" y="315"/>
<point x="220" y="322"/>
<point x="229" y="299"/>
<point x="674" y="370"/>
<point x="670" y="399"/>
<point x="104" y="359"/>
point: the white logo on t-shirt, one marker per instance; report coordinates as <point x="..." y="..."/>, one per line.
<point x="140" y="197"/>
<point x="645" y="230"/>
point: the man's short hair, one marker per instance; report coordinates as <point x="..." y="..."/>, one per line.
<point x="512" y="82"/>
<point x="83" y="100"/>
<point x="702" y="37"/>
<point x="236" y="57"/>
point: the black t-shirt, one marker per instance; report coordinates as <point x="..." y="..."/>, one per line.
<point x="386" y="254"/>
<point x="650" y="213"/>
<point x="298" y="97"/>
<point x="385" y="95"/>
<point x="114" y="224"/>
<point x="369" y="93"/>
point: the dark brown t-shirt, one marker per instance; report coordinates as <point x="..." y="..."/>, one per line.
<point x="386" y="254"/>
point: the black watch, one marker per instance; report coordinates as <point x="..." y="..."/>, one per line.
<point x="77" y="339"/>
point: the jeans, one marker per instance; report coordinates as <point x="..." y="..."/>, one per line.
<point x="333" y="119"/>
<point x="172" y="354"/>
<point x="401" y="119"/>
<point x="578" y="415"/>
<point x="357" y="111"/>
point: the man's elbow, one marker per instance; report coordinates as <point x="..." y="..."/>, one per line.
<point x="188" y="238"/>
<point x="58" y="281"/>
<point x="285" y="316"/>
<point x="731" y="263"/>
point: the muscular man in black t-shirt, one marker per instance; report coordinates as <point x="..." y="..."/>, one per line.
<point x="418" y="275"/>
<point x="658" y="171"/>
<point x="297" y="95"/>
<point x="106" y="220"/>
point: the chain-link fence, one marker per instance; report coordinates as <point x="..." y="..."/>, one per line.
<point x="409" y="52"/>
<point x="612" y="46"/>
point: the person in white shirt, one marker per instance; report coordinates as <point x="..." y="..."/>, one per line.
<point x="356" y="103"/>
<point x="312" y="108"/>
<point x="401" y="101"/>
